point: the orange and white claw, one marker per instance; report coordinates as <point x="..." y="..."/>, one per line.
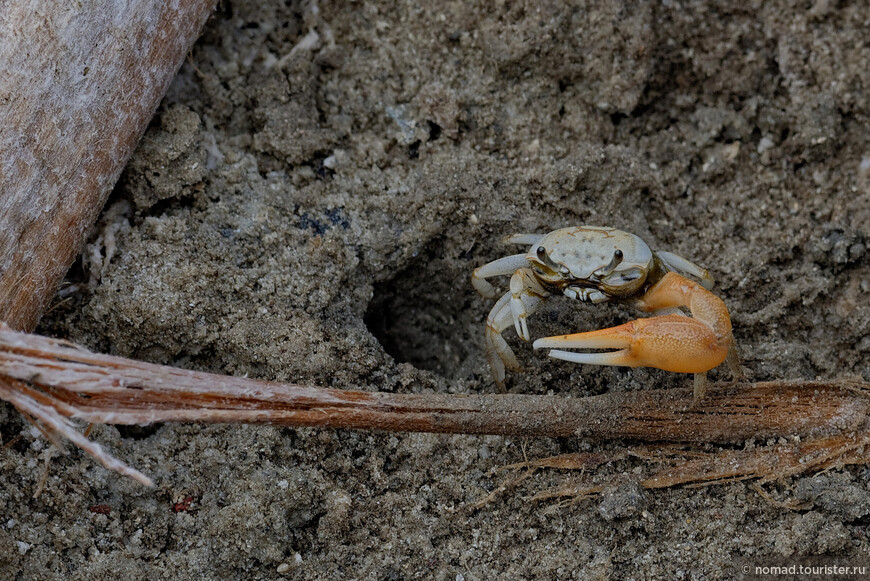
<point x="671" y="342"/>
<point x="675" y="343"/>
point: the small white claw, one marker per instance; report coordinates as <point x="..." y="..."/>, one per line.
<point x="518" y="310"/>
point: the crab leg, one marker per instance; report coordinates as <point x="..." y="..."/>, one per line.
<point x="500" y="267"/>
<point x="679" y="264"/>
<point x="671" y="342"/>
<point x="526" y="294"/>
<point x="498" y="352"/>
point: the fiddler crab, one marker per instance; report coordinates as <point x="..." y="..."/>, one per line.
<point x="596" y="265"/>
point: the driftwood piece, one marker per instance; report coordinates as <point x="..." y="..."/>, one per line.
<point x="54" y="380"/>
<point x="79" y="83"/>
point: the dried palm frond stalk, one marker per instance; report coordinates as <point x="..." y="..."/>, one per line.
<point x="79" y="82"/>
<point x="52" y="381"/>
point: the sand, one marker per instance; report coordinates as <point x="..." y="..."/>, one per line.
<point x="308" y="205"/>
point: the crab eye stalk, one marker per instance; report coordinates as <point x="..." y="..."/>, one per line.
<point x="550" y="264"/>
<point x="611" y="266"/>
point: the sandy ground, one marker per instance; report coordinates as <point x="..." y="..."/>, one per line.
<point x="308" y="205"/>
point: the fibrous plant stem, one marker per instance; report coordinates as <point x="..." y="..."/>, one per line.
<point x="53" y="381"/>
<point x="80" y="81"/>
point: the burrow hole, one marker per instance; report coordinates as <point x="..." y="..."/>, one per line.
<point x="424" y="316"/>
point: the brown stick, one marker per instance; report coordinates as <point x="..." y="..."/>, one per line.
<point x="106" y="389"/>
<point x="80" y="82"/>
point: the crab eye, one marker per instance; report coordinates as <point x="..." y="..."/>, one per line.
<point x="548" y="262"/>
<point x="611" y="266"/>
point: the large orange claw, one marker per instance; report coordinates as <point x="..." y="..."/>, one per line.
<point x="672" y="342"/>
